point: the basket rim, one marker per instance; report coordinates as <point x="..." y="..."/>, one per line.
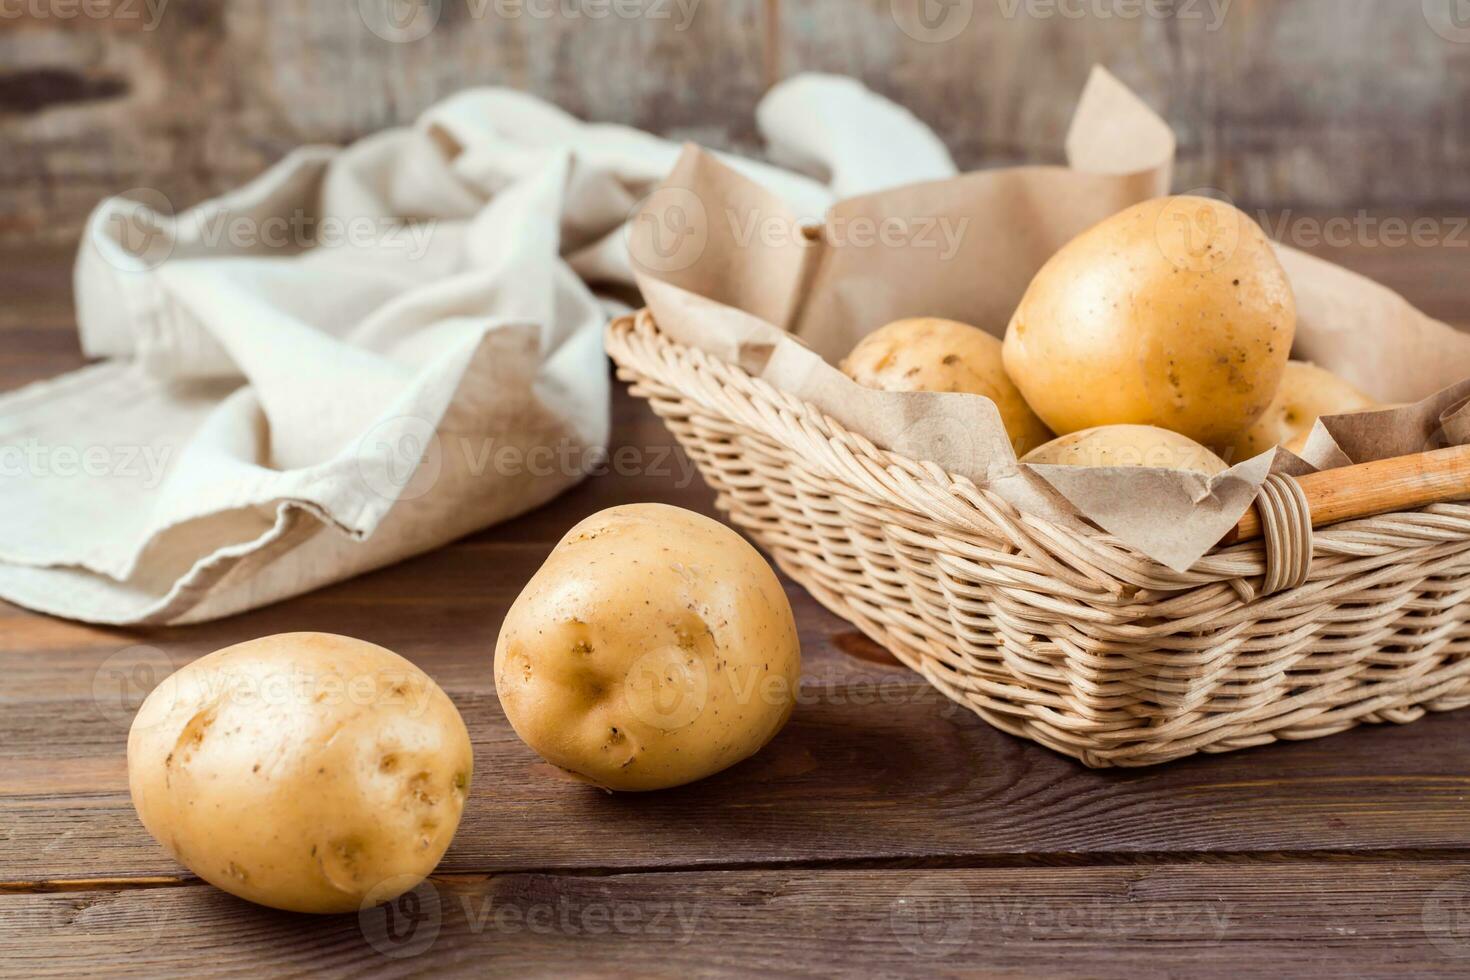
<point x="642" y="351"/>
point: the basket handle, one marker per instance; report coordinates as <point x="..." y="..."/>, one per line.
<point x="1380" y="487"/>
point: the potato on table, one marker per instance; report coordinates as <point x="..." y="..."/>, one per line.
<point x="304" y="771"/>
<point x="653" y="648"/>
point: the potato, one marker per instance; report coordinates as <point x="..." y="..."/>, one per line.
<point x="930" y="354"/>
<point x="1306" y="393"/>
<point x="1128" y="445"/>
<point x="303" y="771"/>
<point x="1173" y="313"/>
<point x="653" y="648"/>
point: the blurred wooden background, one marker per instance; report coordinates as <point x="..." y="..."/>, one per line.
<point x="1281" y="103"/>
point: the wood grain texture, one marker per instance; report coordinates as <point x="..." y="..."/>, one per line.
<point x="882" y="770"/>
<point x="1343" y="103"/>
<point x="884" y="831"/>
<point x="207" y="93"/>
<point x="1379" y="487"/>
<point x="1339" y="103"/>
<point x="1378" y="919"/>
<point x="875" y="766"/>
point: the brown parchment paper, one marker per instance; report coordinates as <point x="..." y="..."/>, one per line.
<point x="727" y="268"/>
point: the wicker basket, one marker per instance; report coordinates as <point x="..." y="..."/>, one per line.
<point x="1073" y="640"/>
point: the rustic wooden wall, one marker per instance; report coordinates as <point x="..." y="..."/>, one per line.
<point x="1332" y="103"/>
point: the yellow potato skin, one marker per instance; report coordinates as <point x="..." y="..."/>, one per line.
<point x="1128" y="445"/>
<point x="303" y="771"/>
<point x="654" y="647"/>
<point x="1307" y="392"/>
<point x="1174" y="313"/>
<point x="933" y="354"/>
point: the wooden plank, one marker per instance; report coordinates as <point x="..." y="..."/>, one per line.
<point x="204" y="95"/>
<point x="209" y="93"/>
<point x="1265" y="105"/>
<point x="1319" y="919"/>
<point x="883" y="769"/>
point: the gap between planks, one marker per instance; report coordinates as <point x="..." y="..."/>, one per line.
<point x="968" y="862"/>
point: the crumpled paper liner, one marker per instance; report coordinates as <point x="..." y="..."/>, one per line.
<point x="727" y="268"/>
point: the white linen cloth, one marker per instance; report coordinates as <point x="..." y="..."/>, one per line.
<point x="363" y="353"/>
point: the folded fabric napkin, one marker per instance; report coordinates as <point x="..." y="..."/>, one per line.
<point x="362" y="354"/>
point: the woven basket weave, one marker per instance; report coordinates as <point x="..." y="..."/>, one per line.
<point x="1072" y="639"/>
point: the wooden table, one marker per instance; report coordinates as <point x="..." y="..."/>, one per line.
<point x="884" y="831"/>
